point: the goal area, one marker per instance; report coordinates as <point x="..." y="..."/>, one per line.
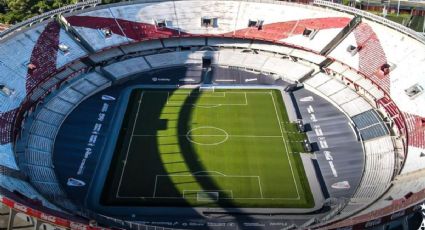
<point x="206" y="89"/>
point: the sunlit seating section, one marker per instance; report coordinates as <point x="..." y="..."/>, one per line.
<point x="339" y="93"/>
<point x="174" y="59"/>
<point x="379" y="168"/>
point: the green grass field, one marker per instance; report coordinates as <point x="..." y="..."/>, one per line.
<point x="227" y="148"/>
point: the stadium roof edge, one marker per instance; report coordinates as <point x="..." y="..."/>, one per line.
<point x="373" y="17"/>
<point x="318" y="4"/>
<point x="48" y="15"/>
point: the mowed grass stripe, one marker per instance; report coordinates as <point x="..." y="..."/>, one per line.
<point x="217" y="146"/>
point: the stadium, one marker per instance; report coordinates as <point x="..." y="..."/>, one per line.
<point x="224" y="114"/>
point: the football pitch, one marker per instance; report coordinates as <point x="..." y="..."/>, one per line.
<point x="220" y="148"/>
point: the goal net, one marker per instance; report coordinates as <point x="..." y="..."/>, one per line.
<point x="207" y="196"/>
<point x="206" y="89"/>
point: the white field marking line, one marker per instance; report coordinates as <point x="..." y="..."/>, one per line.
<point x="220" y="173"/>
<point x="129" y="144"/>
<point x="286" y="147"/>
<point x="233" y="198"/>
<point x="270" y="93"/>
<point x="207" y="135"/>
<point x="225" y="135"/>
<point x="261" y="189"/>
<point x="193" y="175"/>
<point x="226" y="190"/>
<point x="179" y="197"/>
<point x="207" y="106"/>
<point x="154" y="188"/>
<point x="226" y="92"/>
<point x="201" y="199"/>
<point x="220" y="94"/>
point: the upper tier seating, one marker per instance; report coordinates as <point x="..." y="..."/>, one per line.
<point x="116" y="25"/>
<point x="69" y="50"/>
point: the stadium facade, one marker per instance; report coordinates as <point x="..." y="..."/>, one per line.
<point x="363" y="67"/>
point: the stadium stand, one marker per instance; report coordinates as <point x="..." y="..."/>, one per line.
<point x="139" y="47"/>
<point x="7" y="156"/>
<point x="378" y="172"/>
<point x="370" y="125"/>
<point x="68" y="50"/>
<point x="36" y="61"/>
<point x="25" y="188"/>
<point x="35" y="157"/>
<point x="227" y="42"/>
<point x="329" y="87"/>
<point x="127" y="68"/>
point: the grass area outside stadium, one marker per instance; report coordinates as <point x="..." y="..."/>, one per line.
<point x="226" y="148"/>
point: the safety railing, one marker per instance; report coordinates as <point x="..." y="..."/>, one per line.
<point x="372" y="17"/>
<point x="49" y="15"/>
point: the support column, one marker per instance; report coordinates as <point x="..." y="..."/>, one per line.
<point x="12" y="215"/>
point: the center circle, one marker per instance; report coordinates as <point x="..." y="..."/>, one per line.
<point x="207" y="135"/>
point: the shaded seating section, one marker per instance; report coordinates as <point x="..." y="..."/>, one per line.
<point x="16" y="53"/>
<point x="36" y="158"/>
<point x="16" y="85"/>
<point x="22" y="187"/>
<point x="6" y="126"/>
<point x="15" y="57"/>
<point x="185" y="42"/>
<point x="370" y="125"/>
<point x="105" y="55"/>
<point x="7" y="156"/>
<point x="68" y="50"/>
<point x="139" y="47"/>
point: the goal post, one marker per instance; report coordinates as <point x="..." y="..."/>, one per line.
<point x="207" y="89"/>
<point x="207" y="196"/>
